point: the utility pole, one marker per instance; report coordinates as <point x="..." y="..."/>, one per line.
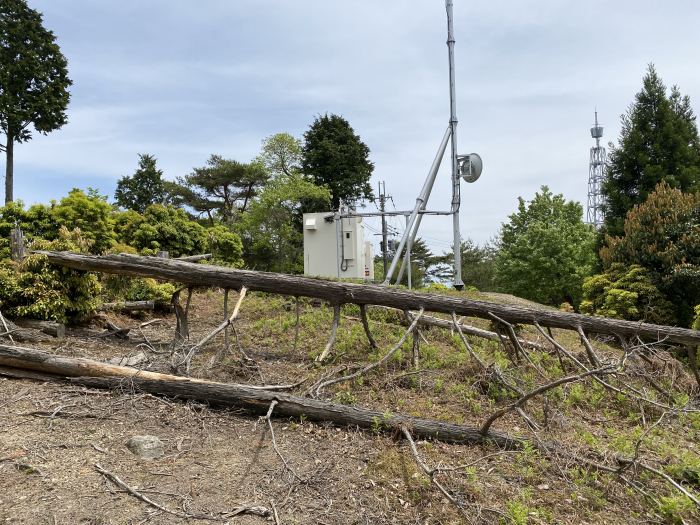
<point x="382" y="208"/>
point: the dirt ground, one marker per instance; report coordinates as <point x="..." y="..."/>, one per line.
<point x="52" y="436"/>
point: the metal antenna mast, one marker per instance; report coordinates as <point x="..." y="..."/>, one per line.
<point x="465" y="166"/>
<point x="457" y="239"/>
<point x="596" y="174"/>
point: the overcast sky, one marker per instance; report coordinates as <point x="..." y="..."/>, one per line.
<point x="182" y="80"/>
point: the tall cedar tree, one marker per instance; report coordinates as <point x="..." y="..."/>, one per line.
<point x="145" y="187"/>
<point x="222" y="188"/>
<point x="659" y="141"/>
<point x="33" y="80"/>
<point x="334" y="156"/>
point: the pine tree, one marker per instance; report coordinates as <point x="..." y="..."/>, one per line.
<point x="145" y="187"/>
<point x="659" y="141"/>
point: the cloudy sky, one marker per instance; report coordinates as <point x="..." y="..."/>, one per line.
<point x="182" y="80"/>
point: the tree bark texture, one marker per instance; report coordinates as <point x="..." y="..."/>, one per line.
<point x="95" y="374"/>
<point x="9" y="167"/>
<point x="342" y="292"/>
<point x="51" y="328"/>
<point x="128" y="306"/>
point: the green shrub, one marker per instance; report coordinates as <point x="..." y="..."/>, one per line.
<point x="225" y="246"/>
<point x="162" y="228"/>
<point x="626" y="293"/>
<point x="89" y="212"/>
<point x="39" y="290"/>
<point x="35" y="222"/>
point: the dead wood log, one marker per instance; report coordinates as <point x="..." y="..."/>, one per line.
<point x="51" y="328"/>
<point x="22" y="335"/>
<point x="342" y="292"/>
<point x="428" y="320"/>
<point x="92" y="373"/>
<point x="195" y="258"/>
<point x="126" y="306"/>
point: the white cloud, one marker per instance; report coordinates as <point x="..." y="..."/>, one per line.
<point x="184" y="79"/>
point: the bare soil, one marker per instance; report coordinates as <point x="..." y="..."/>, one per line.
<point x="53" y="434"/>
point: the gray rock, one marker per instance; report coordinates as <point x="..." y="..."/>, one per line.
<point x="146" y="447"/>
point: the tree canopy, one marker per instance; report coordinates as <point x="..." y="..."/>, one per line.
<point x="145" y="187"/>
<point x="281" y="154"/>
<point x="478" y="265"/>
<point x="545" y="250"/>
<point x="663" y="236"/>
<point x="33" y="80"/>
<point x="659" y="141"/>
<point x="222" y="188"/>
<point x="335" y="157"/>
<point x="271" y="228"/>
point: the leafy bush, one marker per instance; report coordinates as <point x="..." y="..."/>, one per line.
<point x="144" y="289"/>
<point x="626" y="293"/>
<point x="162" y="228"/>
<point x="35" y="222"/>
<point x="89" y="212"/>
<point x="225" y="246"/>
<point x="39" y="290"/>
<point x="662" y="235"/>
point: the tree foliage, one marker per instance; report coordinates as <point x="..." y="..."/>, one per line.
<point x="422" y="263"/>
<point x="271" y="228"/>
<point x="40" y="290"/>
<point x="145" y="187"/>
<point x="662" y="235"/>
<point x="162" y="228"/>
<point x="33" y="80"/>
<point x="659" y="141"/>
<point x="221" y="189"/>
<point x="91" y="214"/>
<point x="626" y="292"/>
<point x="225" y="246"/>
<point x="335" y="157"/>
<point x="478" y="266"/>
<point x="281" y="155"/>
<point x="545" y="250"/>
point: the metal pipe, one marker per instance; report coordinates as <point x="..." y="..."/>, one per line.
<point x="408" y="258"/>
<point x="457" y="239"/>
<point x="422" y="197"/>
<point x="437" y="161"/>
<point x="393" y="213"/>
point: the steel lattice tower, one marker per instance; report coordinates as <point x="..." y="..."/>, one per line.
<point x="596" y="172"/>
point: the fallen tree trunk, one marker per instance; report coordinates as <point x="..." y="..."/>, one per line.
<point x="428" y="320"/>
<point x="195" y="258"/>
<point x="92" y="373"/>
<point x="342" y="292"/>
<point x="126" y="306"/>
<point x="51" y="328"/>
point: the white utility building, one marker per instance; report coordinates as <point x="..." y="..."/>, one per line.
<point x="335" y="247"/>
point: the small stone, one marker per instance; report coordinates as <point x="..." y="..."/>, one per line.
<point x="544" y="486"/>
<point x="146" y="447"/>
